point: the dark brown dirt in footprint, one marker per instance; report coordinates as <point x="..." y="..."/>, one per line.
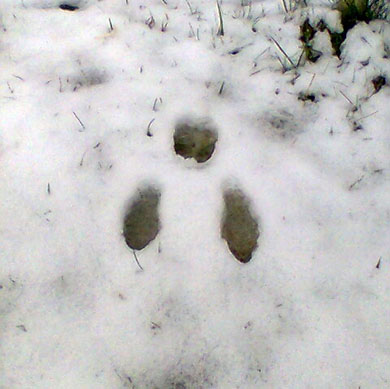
<point x="195" y="141"/>
<point x="142" y="222"/>
<point x="239" y="227"/>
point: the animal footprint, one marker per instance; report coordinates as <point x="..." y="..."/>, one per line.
<point x="195" y="141"/>
<point x="142" y="222"/>
<point x="239" y="227"/>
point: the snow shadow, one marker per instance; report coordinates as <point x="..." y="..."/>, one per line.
<point x="281" y="124"/>
<point x="87" y="78"/>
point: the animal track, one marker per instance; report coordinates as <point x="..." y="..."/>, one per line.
<point x="142" y="222"/>
<point x="195" y="141"/>
<point x="87" y="78"/>
<point x="239" y="227"/>
<point x="280" y="124"/>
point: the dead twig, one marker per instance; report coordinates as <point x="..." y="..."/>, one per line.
<point x="78" y="119"/>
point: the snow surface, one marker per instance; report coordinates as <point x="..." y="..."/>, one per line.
<point x="312" y="307"/>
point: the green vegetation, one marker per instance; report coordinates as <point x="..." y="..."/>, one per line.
<point x="351" y="13"/>
<point x="378" y="82"/>
<point x="307" y="38"/>
<point x="355" y="11"/>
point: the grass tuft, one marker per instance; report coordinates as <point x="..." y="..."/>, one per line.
<point x="378" y="82"/>
<point x="355" y="11"/>
<point x="307" y="38"/>
<point x="221" y="31"/>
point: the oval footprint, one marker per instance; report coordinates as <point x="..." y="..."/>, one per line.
<point x="142" y="222"/>
<point x="195" y="140"/>
<point x="239" y="227"/>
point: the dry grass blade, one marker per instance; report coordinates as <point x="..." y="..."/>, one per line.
<point x="283" y="52"/>
<point x="221" y="31"/>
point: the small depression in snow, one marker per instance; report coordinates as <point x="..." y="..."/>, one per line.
<point x="142" y="221"/>
<point x="87" y="78"/>
<point x="239" y="226"/>
<point x="281" y="124"/>
<point x="195" y="140"/>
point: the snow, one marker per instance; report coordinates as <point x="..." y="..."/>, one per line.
<point x="312" y="307"/>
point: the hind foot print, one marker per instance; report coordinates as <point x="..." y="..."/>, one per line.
<point x="239" y="227"/>
<point x="142" y="222"/>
